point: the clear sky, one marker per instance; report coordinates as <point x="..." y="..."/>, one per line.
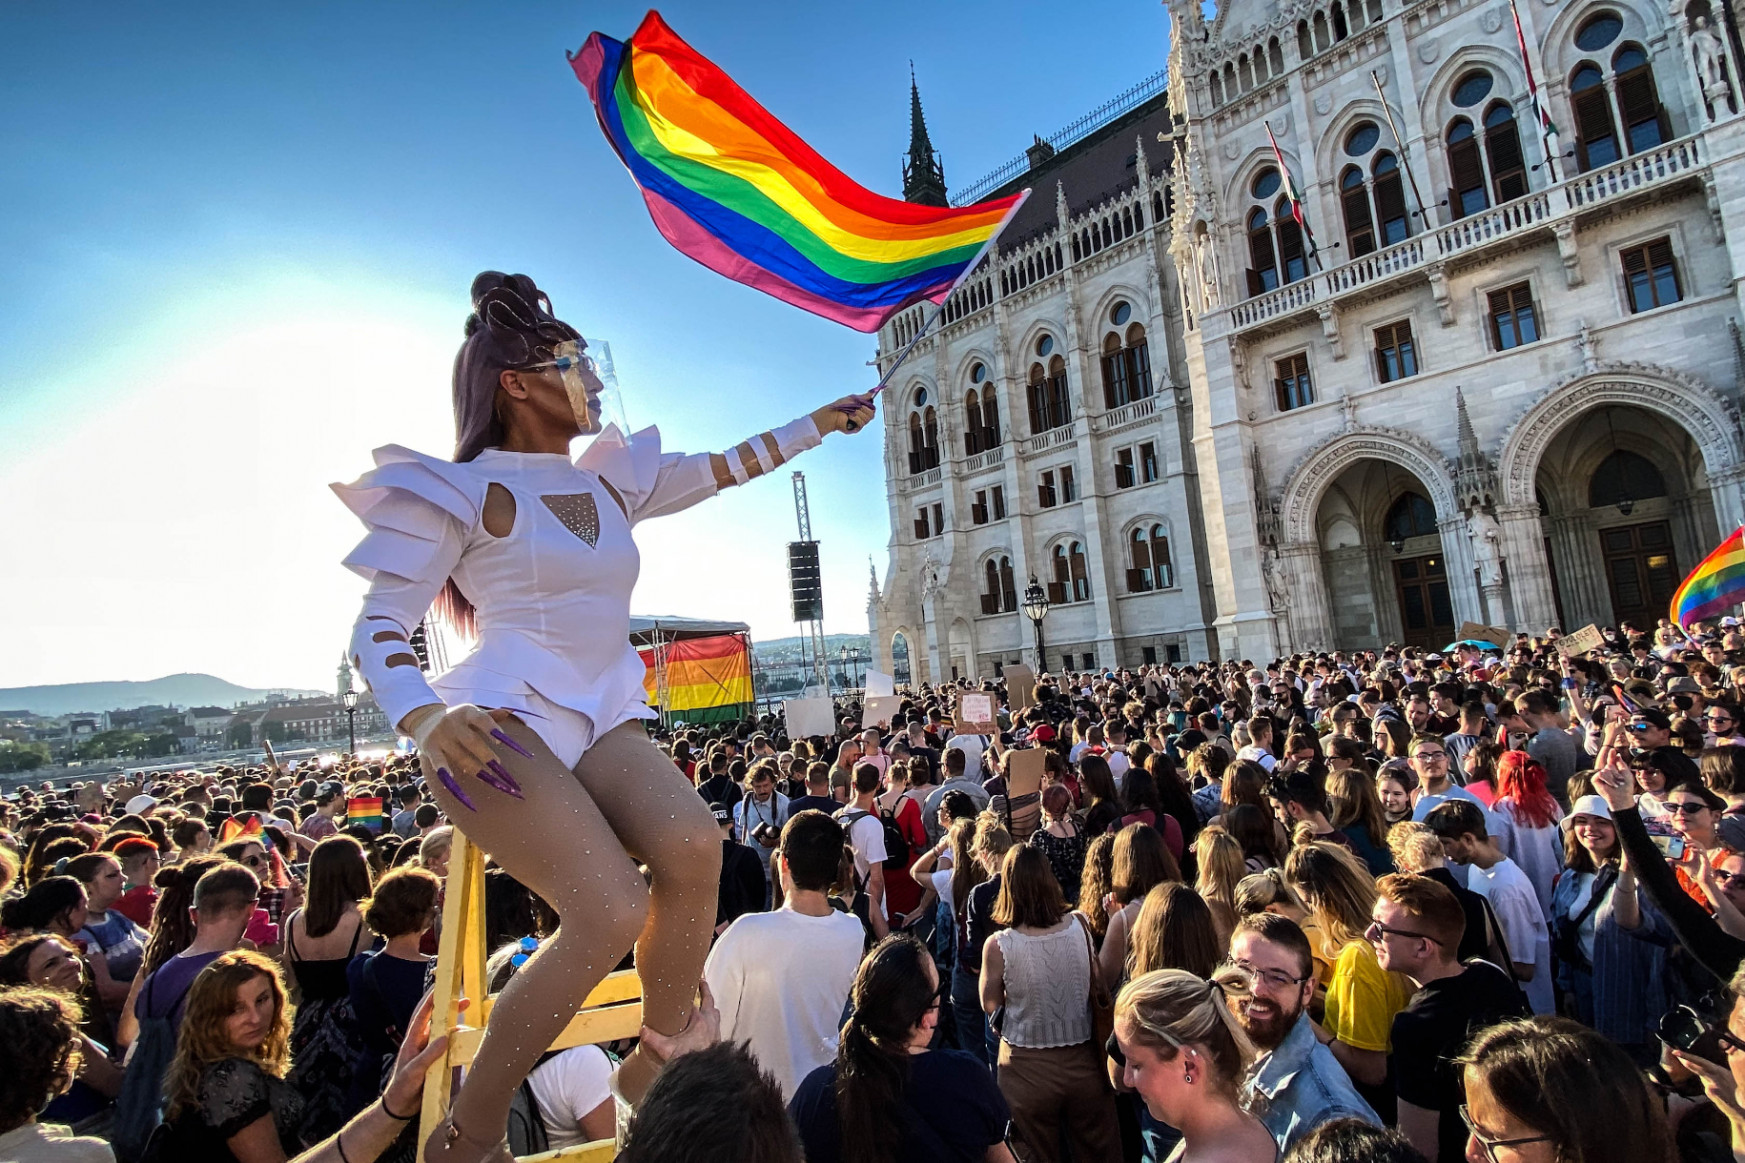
<point x="235" y="246"/>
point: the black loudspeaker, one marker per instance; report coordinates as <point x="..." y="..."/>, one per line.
<point x="804" y="584"/>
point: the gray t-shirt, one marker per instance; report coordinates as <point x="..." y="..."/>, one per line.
<point x="1560" y="755"/>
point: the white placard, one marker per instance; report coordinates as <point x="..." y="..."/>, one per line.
<point x="975" y="713"/>
<point x="878" y="710"/>
<point x="808" y="717"/>
<point x="879" y="684"/>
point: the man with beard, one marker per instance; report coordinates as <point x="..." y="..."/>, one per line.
<point x="1297" y="1084"/>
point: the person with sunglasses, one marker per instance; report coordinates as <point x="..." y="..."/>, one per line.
<point x="1548" y="1090"/>
<point x="1416" y="930"/>
<point x="1300" y="1083"/>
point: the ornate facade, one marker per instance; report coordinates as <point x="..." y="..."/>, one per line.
<point x="1486" y="368"/>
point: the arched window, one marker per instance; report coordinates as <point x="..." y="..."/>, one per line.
<point x="1466" y="170"/>
<point x="1409" y="516"/>
<point x="1150" y="568"/>
<point x="1354" y="200"/>
<point x="917" y="445"/>
<point x="1276" y="56"/>
<point x="972" y="423"/>
<point x="1639" y="108"/>
<point x="1292" y="259"/>
<point x="1244" y="73"/>
<point x="1393" y="223"/>
<point x="899" y="658"/>
<point x="1217" y="90"/>
<point x="1126" y="363"/>
<point x="1050" y="406"/>
<point x="1596" y="141"/>
<point x="930" y="434"/>
<point x="1502" y="147"/>
<point x="990" y="418"/>
<point x="1263" y="266"/>
<point x="1305" y="49"/>
<point x="1072" y="581"/>
<point x="1624" y="476"/>
<point x="999" y="590"/>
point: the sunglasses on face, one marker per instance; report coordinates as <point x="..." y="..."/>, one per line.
<point x="1685" y="807"/>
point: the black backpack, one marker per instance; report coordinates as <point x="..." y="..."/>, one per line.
<point x="526" y="1132"/>
<point x="896" y="844"/>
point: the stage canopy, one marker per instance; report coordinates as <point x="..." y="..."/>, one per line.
<point x="695" y="671"/>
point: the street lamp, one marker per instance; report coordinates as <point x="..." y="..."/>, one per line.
<point x="847" y="678"/>
<point x="349" y="698"/>
<point x="1036" y="609"/>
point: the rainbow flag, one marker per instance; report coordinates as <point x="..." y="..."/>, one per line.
<point x="365" y="810"/>
<point x="707" y="679"/>
<point x="1716" y="585"/>
<point x="735" y="189"/>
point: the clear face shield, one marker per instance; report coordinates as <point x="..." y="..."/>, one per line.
<point x="591" y="384"/>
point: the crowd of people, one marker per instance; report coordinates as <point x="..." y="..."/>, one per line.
<point x="1364" y="905"/>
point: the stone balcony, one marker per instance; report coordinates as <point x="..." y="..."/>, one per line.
<point x="1554" y="209"/>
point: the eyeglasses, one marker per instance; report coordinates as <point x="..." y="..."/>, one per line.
<point x="1429" y="756"/>
<point x="1717" y="718"/>
<point x="1731" y="879"/>
<point x="1685" y="807"/>
<point x="1491" y="1144"/>
<point x="564" y="363"/>
<point x="1276" y="978"/>
<point x="1377" y="929"/>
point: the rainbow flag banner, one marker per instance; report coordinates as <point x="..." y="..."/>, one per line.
<point x="735" y="189"/>
<point x="1715" y="586"/>
<point x="708" y="680"/>
<point x="365" y="810"/>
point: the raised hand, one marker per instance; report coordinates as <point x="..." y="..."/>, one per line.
<point x="849" y="414"/>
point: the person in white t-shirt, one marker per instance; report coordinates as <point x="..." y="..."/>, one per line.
<point x="570" y="1087"/>
<point x="781" y="979"/>
<point x="972" y="746"/>
<point x="1259" y="748"/>
<point x="865" y="834"/>
<point x="1460" y="824"/>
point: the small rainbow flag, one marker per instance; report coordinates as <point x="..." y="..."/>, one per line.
<point x="735" y="189"/>
<point x="365" y="810"/>
<point x="1716" y="585"/>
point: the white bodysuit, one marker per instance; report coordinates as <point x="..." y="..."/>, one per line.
<point x="552" y="598"/>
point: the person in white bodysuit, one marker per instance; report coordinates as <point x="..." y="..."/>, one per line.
<point x="533" y="742"/>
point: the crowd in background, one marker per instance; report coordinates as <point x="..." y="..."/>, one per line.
<point x="1380" y="905"/>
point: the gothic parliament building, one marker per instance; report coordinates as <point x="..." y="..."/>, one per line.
<point x="1492" y="373"/>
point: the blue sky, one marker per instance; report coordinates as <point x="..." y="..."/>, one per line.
<point x="236" y="241"/>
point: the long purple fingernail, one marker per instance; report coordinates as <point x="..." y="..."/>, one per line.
<point x="503" y="738"/>
<point x="501" y="780"/>
<point x="454" y="788"/>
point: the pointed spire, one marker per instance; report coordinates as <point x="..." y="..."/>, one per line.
<point x="1468" y="438"/>
<point x="1140" y="165"/>
<point x="872" y="578"/>
<point x="923" y="174"/>
<point x="1474" y="479"/>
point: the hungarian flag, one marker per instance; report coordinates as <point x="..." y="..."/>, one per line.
<point x="1291" y="193"/>
<point x="1546" y="125"/>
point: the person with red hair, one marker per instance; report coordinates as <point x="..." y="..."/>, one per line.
<point x="1533" y="815"/>
<point x="140" y="860"/>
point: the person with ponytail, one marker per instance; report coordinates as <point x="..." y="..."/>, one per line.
<point x="533" y="742"/>
<point x="887" y="1098"/>
<point x="1182" y="1048"/>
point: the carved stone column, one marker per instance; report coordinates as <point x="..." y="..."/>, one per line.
<point x="1529" y="580"/>
<point x="1310" y="612"/>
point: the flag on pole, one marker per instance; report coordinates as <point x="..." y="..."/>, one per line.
<point x="1545" y="123"/>
<point x="1715" y="586"/>
<point x="738" y="191"/>
<point x="1291" y="193"/>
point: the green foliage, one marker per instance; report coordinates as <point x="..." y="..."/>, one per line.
<point x="16" y="757"/>
<point x="126" y="745"/>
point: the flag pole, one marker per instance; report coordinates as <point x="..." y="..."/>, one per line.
<point x="1405" y="157"/>
<point x="1297" y="212"/>
<point x="1547" y="130"/>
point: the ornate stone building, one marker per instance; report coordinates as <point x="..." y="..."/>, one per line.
<point x="1490" y="371"/>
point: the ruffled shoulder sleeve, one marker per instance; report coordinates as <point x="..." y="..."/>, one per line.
<point x="650" y="481"/>
<point x="409" y="502"/>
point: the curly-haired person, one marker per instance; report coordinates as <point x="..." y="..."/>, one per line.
<point x="40" y="1030"/>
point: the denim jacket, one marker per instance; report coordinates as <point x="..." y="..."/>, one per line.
<point x="1300" y="1085"/>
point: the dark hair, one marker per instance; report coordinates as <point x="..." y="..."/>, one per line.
<point x="811" y="845"/>
<point x="1353" y="1140"/>
<point x="958" y="805"/>
<point x="1029" y="893"/>
<point x="339" y="875"/>
<point x="172" y="930"/>
<point x="1452" y="819"/>
<point x="890" y="997"/>
<point x="1301" y="788"/>
<point x="1281" y="931"/>
<point x="1723" y="769"/>
<point x="1096" y="780"/>
<point x="16" y="953"/>
<point x="84" y="869"/>
<point x="714" y="1106"/>
<point x="1172" y="793"/>
<point x="1571" y="1083"/>
<point x="402" y="902"/>
<point x="40" y="1030"/>
<point x="1255" y="829"/>
<point x="1174" y="930"/>
<point x="187" y="830"/>
<point x="48" y="900"/>
<point x="1142" y="862"/>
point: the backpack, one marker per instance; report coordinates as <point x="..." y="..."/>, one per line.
<point x="139" y="1108"/>
<point x="896" y="844"/>
<point x="526" y="1131"/>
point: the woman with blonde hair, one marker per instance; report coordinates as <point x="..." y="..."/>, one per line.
<point x="1362" y="997"/>
<point x="976" y="922"/>
<point x="1221" y="870"/>
<point x="1269" y="892"/>
<point x="1097" y="883"/>
<point x="226" y="1090"/>
<point x="1183" y="1050"/>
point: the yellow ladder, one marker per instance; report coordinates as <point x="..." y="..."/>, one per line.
<point x="612" y="1011"/>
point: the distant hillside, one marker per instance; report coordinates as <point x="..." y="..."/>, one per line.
<point x="179" y="690"/>
<point x="832" y="644"/>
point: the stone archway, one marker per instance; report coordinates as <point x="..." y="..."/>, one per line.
<point x="1672" y="399"/>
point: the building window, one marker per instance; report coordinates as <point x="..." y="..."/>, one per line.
<point x="922" y="530"/>
<point x="1502" y="147"/>
<point x="1639" y="114"/>
<point x="1125" y="477"/>
<point x="1126" y="365"/>
<point x="981" y="415"/>
<point x="1066" y="662"/>
<point x="1408" y="517"/>
<point x="1263" y="263"/>
<point x="999" y="593"/>
<point x="1148" y="655"/>
<point x="938" y="520"/>
<point x="1292" y="259"/>
<point x="1359" y="224"/>
<point x="1513" y="320"/>
<point x="1090" y="661"/>
<point x="1396" y="357"/>
<point x="978" y="508"/>
<point x="1068" y="488"/>
<point x="1596" y="141"/>
<point x="999" y="500"/>
<point x="923" y="439"/>
<point x="1149" y="565"/>
<point x="1045" y="493"/>
<point x="1174" y="652"/>
<point x="1050" y="405"/>
<point x="1147" y="463"/>
<point x="1645" y="124"/>
<point x="1651" y="275"/>
<point x="1291" y="385"/>
<point x="1392" y="220"/>
<point x="1071" y="582"/>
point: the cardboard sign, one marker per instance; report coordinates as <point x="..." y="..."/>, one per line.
<point x="1019" y="680"/>
<point x="1024" y="771"/>
<point x="878" y="683"/>
<point x="1151" y="688"/>
<point x="878" y="710"/>
<point x="808" y="717"/>
<point x="1587" y="638"/>
<point x="1496" y="634"/>
<point x="975" y="714"/>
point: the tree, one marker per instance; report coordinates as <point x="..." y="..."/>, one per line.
<point x="21" y="756"/>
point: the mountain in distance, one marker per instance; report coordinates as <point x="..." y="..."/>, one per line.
<point x="179" y="690"/>
<point x="833" y="644"/>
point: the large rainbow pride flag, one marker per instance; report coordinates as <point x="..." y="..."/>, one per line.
<point x="1716" y="585"/>
<point x="735" y="189"/>
<point x="708" y="680"/>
